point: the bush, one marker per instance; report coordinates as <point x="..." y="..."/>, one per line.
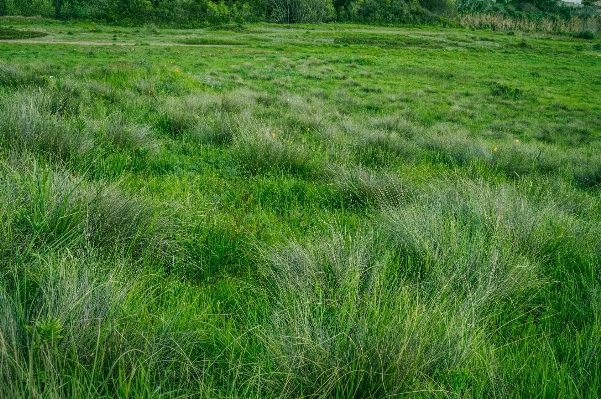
<point x="385" y="11"/>
<point x="585" y="34"/>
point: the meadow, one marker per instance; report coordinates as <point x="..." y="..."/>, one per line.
<point x="301" y="211"/>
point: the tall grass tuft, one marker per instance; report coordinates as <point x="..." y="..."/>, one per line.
<point x="45" y="209"/>
<point x="262" y="150"/>
<point x="360" y="187"/>
<point x="347" y="325"/>
<point x="123" y="134"/>
<point x="74" y="326"/>
<point x="28" y="122"/>
<point x="16" y="77"/>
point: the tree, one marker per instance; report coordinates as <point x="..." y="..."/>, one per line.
<point x="298" y="11"/>
<point x="58" y="6"/>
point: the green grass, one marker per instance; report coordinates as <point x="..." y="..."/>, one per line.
<point x="318" y="211"/>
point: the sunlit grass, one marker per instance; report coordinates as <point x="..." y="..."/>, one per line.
<point x="318" y="211"/>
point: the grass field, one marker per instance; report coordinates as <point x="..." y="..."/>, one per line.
<point x="310" y="211"/>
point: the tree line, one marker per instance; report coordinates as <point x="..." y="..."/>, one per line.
<point x="202" y="12"/>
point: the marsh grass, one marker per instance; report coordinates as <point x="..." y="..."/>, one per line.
<point x="347" y="324"/>
<point x="360" y="188"/>
<point x="48" y="209"/>
<point x="14" y="76"/>
<point x="33" y="122"/>
<point x="123" y="134"/>
<point x="502" y="23"/>
<point x="407" y="214"/>
<point x="71" y="312"/>
<point x="263" y="151"/>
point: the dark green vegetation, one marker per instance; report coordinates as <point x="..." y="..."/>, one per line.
<point x="15" y="34"/>
<point x="198" y="13"/>
<point x="320" y="211"/>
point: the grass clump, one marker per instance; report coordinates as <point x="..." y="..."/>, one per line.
<point x="346" y="325"/>
<point x="259" y="152"/>
<point x="15" y="77"/>
<point x="505" y="90"/>
<point x="362" y="188"/>
<point x="51" y="209"/>
<point x="121" y="133"/>
<point x="33" y="122"/>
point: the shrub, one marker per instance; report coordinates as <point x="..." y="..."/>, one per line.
<point x="585" y="34"/>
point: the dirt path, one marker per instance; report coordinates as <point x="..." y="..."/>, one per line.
<point x="84" y="43"/>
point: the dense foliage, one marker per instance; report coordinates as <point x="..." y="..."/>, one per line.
<point x="202" y="12"/>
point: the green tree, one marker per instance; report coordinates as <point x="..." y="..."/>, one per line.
<point x="58" y="6"/>
<point x="298" y="11"/>
<point x="446" y="8"/>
